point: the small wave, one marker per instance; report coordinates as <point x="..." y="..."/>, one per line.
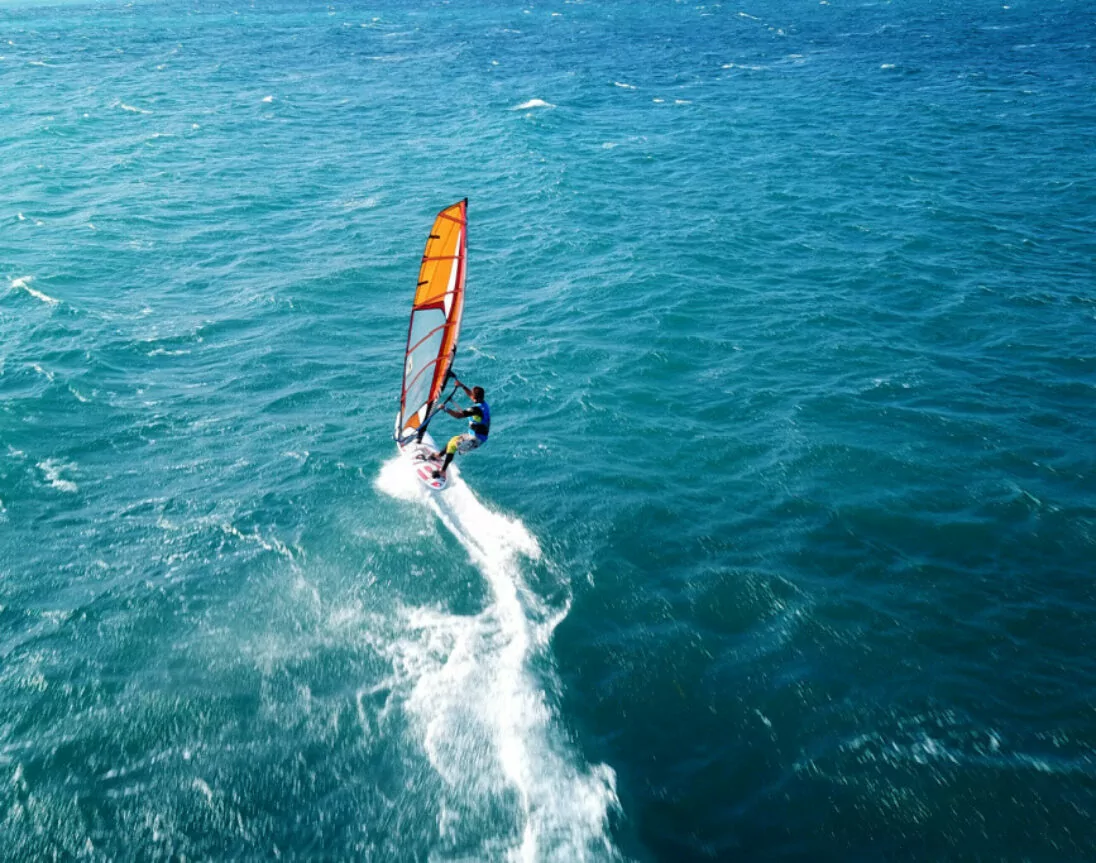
<point x="52" y="470"/>
<point x="273" y="544"/>
<point x="132" y="109"/>
<point x="479" y="352"/>
<point x="532" y="103"/>
<point x="624" y="86"/>
<point x="359" y="203"/>
<point x="24" y="284"/>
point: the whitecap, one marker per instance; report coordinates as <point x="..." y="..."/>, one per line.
<point x="52" y="470"/>
<point x="268" y="99"/>
<point x="132" y="109"/>
<point x="624" y="86"/>
<point x="24" y="284"/>
<point x="203" y="787"/>
<point x="532" y="103"/>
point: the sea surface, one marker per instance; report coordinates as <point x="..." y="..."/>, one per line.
<point x="783" y="547"/>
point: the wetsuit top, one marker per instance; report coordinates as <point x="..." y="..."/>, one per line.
<point x="479" y="420"/>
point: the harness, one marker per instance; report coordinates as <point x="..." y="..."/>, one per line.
<point x="480" y="426"/>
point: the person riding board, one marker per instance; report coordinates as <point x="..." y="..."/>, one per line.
<point x="479" y="427"/>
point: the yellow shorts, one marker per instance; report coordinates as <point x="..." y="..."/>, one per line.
<point x="462" y="443"/>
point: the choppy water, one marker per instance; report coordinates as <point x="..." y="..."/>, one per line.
<point x="783" y="544"/>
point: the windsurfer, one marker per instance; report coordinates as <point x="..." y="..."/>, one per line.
<point x="479" y="427"/>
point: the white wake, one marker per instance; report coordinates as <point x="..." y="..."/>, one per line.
<point x="486" y="723"/>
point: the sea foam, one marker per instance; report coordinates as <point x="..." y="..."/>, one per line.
<point x="482" y="714"/>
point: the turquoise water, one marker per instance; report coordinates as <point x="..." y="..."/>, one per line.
<point x="782" y="547"/>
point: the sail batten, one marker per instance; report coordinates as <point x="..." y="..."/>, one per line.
<point x="435" y="319"/>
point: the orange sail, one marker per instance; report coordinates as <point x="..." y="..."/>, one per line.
<point x="435" y="320"/>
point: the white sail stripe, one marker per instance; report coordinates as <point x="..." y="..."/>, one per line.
<point x="453" y="278"/>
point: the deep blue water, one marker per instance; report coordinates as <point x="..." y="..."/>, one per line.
<point x="783" y="544"/>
